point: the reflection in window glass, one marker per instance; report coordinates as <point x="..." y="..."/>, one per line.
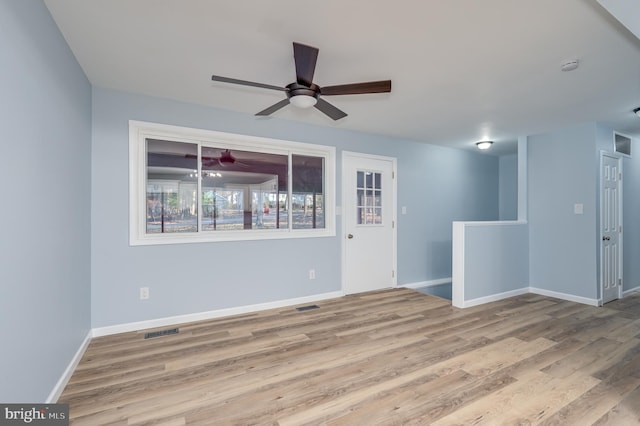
<point x="243" y="190"/>
<point x="307" y="204"/>
<point x="172" y="204"/>
<point x="369" y="198"/>
<point x="198" y="189"/>
<point x="193" y="185"/>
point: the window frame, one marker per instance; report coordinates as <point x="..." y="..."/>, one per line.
<point x="140" y="131"/>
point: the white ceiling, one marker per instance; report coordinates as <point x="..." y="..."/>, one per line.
<point x="462" y="70"/>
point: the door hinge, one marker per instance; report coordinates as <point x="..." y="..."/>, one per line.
<point x="393" y="273"/>
<point x="393" y="224"/>
<point x="620" y="281"/>
<point x="393" y="175"/>
<point x="620" y="228"/>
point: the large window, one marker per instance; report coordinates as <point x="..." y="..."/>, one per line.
<point x="191" y="185"/>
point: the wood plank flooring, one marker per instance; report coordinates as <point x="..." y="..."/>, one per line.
<point x="390" y="357"/>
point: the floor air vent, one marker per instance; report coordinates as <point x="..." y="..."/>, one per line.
<point x="307" y="308"/>
<point x="161" y="333"/>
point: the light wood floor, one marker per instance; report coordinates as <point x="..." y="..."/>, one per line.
<point x="391" y="357"/>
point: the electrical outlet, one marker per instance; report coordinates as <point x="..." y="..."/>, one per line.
<point x="144" y="293"/>
<point x="312" y="274"/>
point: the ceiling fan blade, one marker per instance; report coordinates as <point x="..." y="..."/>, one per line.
<point x="231" y="165"/>
<point x="246" y="83"/>
<point x="273" y="108"/>
<point x="329" y="109"/>
<point x="382" y="86"/>
<point x="305" y="58"/>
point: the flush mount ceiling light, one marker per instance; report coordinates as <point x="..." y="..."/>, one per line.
<point x="484" y="144"/>
<point x="303" y="101"/>
<point x="569" y="65"/>
<point x="637" y="111"/>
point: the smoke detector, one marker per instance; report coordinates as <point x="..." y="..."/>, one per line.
<point x="569" y="65"/>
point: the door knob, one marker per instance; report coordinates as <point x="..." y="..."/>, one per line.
<point x="350" y="236"/>
<point x="606" y="238"/>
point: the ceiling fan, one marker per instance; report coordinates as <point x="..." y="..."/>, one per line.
<point x="226" y="159"/>
<point x="304" y="93"/>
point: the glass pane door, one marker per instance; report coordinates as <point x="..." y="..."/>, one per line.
<point x="369" y="198"/>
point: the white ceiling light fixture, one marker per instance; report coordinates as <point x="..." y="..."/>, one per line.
<point x="484" y="144"/>
<point x="570" y="65"/>
<point x="303" y="101"/>
<point x="637" y="111"/>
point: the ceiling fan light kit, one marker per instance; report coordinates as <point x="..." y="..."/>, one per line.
<point x="303" y="101"/>
<point x="303" y="93"/>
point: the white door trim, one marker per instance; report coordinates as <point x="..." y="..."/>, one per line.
<point x="394" y="199"/>
<point x="618" y="157"/>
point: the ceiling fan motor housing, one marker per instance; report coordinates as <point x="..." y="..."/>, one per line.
<point x="297" y="89"/>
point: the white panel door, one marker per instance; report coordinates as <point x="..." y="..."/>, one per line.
<point x="369" y="222"/>
<point x="610" y="219"/>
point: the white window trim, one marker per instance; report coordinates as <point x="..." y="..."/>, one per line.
<point x="139" y="131"/>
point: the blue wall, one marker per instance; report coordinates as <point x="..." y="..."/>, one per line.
<point x="631" y="213"/>
<point x="437" y="185"/>
<point x="508" y="187"/>
<point x="563" y="170"/>
<point x="495" y="259"/>
<point x="45" y="117"/>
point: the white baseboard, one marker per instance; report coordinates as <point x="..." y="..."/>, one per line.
<point x="565" y="296"/>
<point x="429" y="283"/>
<point x="200" y="316"/>
<point x="534" y="290"/>
<point x="64" y="379"/>
<point x="631" y="290"/>
<point x="493" y="298"/>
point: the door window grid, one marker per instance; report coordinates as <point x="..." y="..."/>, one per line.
<point x="369" y="197"/>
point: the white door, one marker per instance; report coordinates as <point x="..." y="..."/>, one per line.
<point x="369" y="212"/>
<point x="611" y="228"/>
